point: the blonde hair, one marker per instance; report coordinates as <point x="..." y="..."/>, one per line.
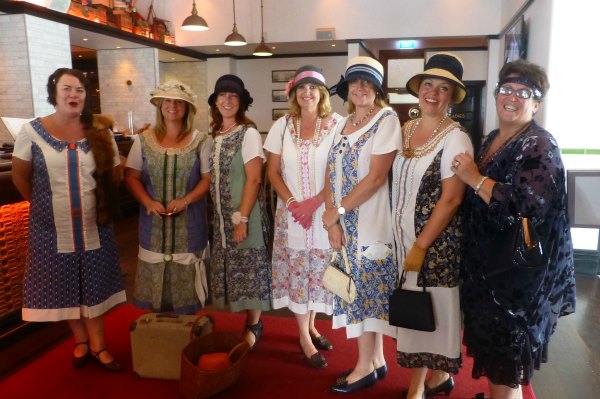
<point x="160" y="129"/>
<point x="323" y="108"/>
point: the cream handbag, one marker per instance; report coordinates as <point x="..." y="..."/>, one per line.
<point x="339" y="282"/>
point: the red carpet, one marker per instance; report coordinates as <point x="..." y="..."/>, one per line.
<point x="275" y="369"/>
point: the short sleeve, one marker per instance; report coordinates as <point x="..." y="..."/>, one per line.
<point x="456" y="142"/>
<point x="134" y="159"/>
<point x="274" y="139"/>
<point x="205" y="149"/>
<point x="388" y="137"/>
<point x="22" y="149"/>
<point x="252" y="146"/>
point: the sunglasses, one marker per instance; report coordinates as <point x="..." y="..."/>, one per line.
<point x="521" y="93"/>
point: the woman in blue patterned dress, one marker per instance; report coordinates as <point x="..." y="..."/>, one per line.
<point x="168" y="173"/>
<point x="358" y="216"/>
<point x="426" y="196"/>
<point x="509" y="317"/>
<point x="298" y="145"/>
<point x="240" y="265"/>
<point x="65" y="165"/>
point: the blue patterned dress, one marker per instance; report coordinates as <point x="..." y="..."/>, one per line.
<point x="73" y="269"/>
<point x="368" y="228"/>
<point x="509" y="339"/>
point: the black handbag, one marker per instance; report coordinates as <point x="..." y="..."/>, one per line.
<point x="518" y="245"/>
<point x="411" y="309"/>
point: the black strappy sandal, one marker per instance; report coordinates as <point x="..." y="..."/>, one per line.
<point x="80" y="361"/>
<point x="111" y="366"/>
<point x="255" y="329"/>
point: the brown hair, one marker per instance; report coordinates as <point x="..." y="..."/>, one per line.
<point x="324" y="106"/>
<point x="217" y="118"/>
<point x="86" y="112"/>
<point x="530" y="71"/>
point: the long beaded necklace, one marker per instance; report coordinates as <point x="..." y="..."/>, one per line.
<point x="429" y="145"/>
<point x="221" y="131"/>
<point x="488" y="156"/>
<point x="316" y="136"/>
<point x="361" y="120"/>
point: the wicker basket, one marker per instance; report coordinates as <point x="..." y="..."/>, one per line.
<point x="197" y="384"/>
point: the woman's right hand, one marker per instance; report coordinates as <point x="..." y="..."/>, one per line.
<point x="155" y="208"/>
<point x="336" y="237"/>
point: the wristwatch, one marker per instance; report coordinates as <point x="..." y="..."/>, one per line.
<point x="341" y="210"/>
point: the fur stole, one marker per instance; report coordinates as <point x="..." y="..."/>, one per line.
<point x="100" y="139"/>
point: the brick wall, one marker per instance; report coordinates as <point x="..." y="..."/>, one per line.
<point x="115" y="68"/>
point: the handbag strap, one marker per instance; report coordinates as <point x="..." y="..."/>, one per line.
<point x="403" y="277"/>
<point x="345" y="260"/>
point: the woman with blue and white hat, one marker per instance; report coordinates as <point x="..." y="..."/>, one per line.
<point x="358" y="216"/>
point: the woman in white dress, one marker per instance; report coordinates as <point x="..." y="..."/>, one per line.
<point x="358" y="216"/>
<point x="426" y="195"/>
<point x="298" y="144"/>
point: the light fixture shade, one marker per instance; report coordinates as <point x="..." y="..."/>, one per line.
<point x="194" y="22"/>
<point x="234" y="38"/>
<point x="262" y="50"/>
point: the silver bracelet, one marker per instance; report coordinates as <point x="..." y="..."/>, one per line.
<point x="185" y="201"/>
<point x="480" y="184"/>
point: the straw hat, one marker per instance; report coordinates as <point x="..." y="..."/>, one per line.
<point x="445" y="66"/>
<point x="365" y="68"/>
<point x="176" y="91"/>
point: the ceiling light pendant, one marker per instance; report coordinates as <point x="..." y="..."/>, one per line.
<point x="262" y="50"/>
<point x="234" y="38"/>
<point x="194" y="22"/>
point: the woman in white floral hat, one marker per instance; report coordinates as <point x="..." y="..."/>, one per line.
<point x="168" y="173"/>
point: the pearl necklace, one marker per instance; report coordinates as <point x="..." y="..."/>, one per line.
<point x="316" y="137"/>
<point x="429" y="145"/>
<point x="221" y="131"/>
<point x="354" y="124"/>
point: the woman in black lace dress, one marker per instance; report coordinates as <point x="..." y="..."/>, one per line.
<point x="509" y="318"/>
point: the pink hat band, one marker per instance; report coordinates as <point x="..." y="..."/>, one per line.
<point x="309" y="74"/>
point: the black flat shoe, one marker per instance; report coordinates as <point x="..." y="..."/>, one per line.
<point x="321" y="342"/>
<point x="445" y="387"/>
<point x="256" y="330"/>
<point x="342" y="385"/>
<point x="381" y="372"/>
<point x="80" y="361"/>
<point x="480" y="395"/>
<point x="316" y="361"/>
<point x="110" y="366"/>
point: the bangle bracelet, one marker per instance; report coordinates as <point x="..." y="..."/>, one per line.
<point x="185" y="201"/>
<point x="289" y="201"/>
<point x="480" y="184"/>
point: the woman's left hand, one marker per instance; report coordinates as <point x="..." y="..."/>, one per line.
<point x="240" y="232"/>
<point x="330" y="218"/>
<point x="336" y="237"/>
<point x="176" y="205"/>
<point x="466" y="169"/>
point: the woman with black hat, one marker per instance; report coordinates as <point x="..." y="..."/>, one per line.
<point x="426" y="196"/>
<point x="358" y="216"/>
<point x="168" y="173"/>
<point x="298" y="144"/>
<point x="511" y="312"/>
<point x="240" y="260"/>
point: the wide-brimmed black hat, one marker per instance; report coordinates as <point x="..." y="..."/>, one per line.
<point x="365" y="68"/>
<point x="445" y="66"/>
<point x="231" y="84"/>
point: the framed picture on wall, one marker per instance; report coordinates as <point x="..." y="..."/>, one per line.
<point x="278" y="113"/>
<point x="515" y="41"/>
<point x="282" y="76"/>
<point x="278" y="96"/>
